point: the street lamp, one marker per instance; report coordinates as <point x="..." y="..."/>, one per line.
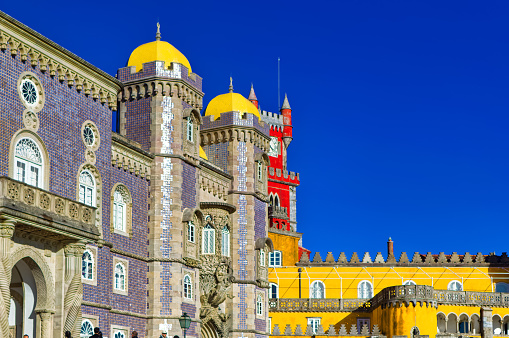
<point x="185" y="322"/>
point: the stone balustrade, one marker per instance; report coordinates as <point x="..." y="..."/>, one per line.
<point x="391" y="296"/>
<point x="55" y="212"/>
<point x="278" y="212"/>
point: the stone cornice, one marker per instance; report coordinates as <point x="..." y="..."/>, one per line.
<point x="130" y="158"/>
<point x="285" y="232"/>
<point x="49" y="56"/>
<point x="218" y="205"/>
<point x="282" y="182"/>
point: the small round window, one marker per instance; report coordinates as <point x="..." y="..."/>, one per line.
<point x="29" y="91"/>
<point x="89" y="136"/>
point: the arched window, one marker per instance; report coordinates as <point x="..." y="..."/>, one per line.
<point x="317" y="289"/>
<point x="119" y="209"/>
<point x="409" y="282"/>
<point x="120" y="276"/>
<point x="87" y="188"/>
<point x="209" y="240"/>
<point x="87" y="265"/>
<point x="501" y="287"/>
<point x="273" y="291"/>
<point x="276" y="201"/>
<point x="259" y="305"/>
<point x="190" y="231"/>
<point x="455" y="286"/>
<point x="189" y="129"/>
<point x="365" y="290"/>
<point x="275" y="258"/>
<point x="262" y="257"/>
<point x="188" y="287"/>
<point x="225" y="243"/>
<point x="271" y="200"/>
<point x="87" y="329"/>
<point x="28" y="162"/>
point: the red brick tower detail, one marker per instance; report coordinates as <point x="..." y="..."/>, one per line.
<point x="252" y="97"/>
<point x="286" y="110"/>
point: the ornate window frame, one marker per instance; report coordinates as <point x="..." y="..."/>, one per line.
<point x="362" y="292"/>
<point x="128" y="211"/>
<point x="39" y="104"/>
<point x="125" y="263"/>
<point x="317" y="286"/>
<point x="263" y="258"/>
<point x="86" y="335"/>
<point x="262" y="162"/>
<point x="93" y="252"/>
<point x="191" y="232"/>
<point x="45" y="166"/>
<point x="84" y="188"/>
<point x="98" y="191"/>
<point x="208" y="232"/>
<point x="187" y="287"/>
<point x="225" y="241"/>
<point x="97" y="136"/>
<point x="260" y="305"/>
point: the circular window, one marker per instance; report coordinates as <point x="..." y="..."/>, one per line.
<point x="29" y="91"/>
<point x="89" y="136"/>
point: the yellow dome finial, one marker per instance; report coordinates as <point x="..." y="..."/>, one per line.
<point x="158" y="34"/>
<point x="231" y="85"/>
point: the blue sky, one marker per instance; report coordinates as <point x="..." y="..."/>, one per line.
<point x="400" y="108"/>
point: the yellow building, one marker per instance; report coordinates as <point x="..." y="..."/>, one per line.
<point x="420" y="295"/>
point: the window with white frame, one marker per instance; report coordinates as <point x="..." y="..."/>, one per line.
<point x="87" y="188"/>
<point x="409" y="282"/>
<point x="314" y="323"/>
<point x="120" y="274"/>
<point x="455" y="286"/>
<point x="275" y="258"/>
<point x="259" y="305"/>
<point x="208" y="240"/>
<point x="317" y="289"/>
<point x="225" y="242"/>
<point x="190" y="231"/>
<point x="28" y="162"/>
<point x="273" y="291"/>
<point x="87" y="265"/>
<point x="262" y="257"/>
<point x="188" y="287"/>
<point x="365" y="290"/>
<point x="259" y="170"/>
<point x="189" y="129"/>
<point x="120" y="208"/>
<point x="87" y="329"/>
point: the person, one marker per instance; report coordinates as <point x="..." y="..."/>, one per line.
<point x="163" y="334"/>
<point x="97" y="333"/>
<point x="134" y="334"/>
<point x="68" y="334"/>
<point x="25" y="336"/>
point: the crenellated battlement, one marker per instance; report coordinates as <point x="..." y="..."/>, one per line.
<point x="428" y="259"/>
<point x="365" y="331"/>
<point x="272" y="119"/>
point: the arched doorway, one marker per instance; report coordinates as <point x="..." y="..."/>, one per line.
<point x="22" y="315"/>
<point x="208" y="330"/>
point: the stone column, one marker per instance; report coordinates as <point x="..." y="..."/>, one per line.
<point x="6" y="232"/>
<point x="486" y="322"/>
<point x="45" y="318"/>
<point x="74" y="289"/>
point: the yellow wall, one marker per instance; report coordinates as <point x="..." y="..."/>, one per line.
<point x="289" y="247"/>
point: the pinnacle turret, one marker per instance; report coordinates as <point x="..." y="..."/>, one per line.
<point x="252" y="97"/>
<point x="286" y="105"/>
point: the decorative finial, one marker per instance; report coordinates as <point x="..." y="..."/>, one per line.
<point x="286" y="104"/>
<point x="158" y="34"/>
<point x="231" y="85"/>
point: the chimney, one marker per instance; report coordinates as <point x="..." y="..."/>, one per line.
<point x="390" y="248"/>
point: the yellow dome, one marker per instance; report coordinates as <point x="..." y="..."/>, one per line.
<point x="157" y="51"/>
<point x="203" y="154"/>
<point x="230" y="102"/>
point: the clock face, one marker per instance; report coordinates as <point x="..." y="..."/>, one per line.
<point x="274" y="145"/>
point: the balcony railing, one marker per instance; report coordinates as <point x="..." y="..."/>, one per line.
<point x="278" y="212"/>
<point x="391" y="295"/>
<point x="54" y="213"/>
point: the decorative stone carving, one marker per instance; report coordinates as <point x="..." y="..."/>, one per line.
<point x="30" y="120"/>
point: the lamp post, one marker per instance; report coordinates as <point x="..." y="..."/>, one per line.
<point x="185" y="322"/>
